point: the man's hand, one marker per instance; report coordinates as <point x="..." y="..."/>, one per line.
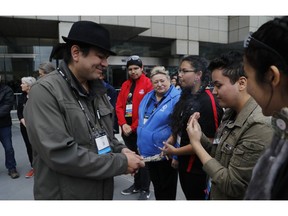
<point x="134" y="161"/>
<point x="126" y="129"/>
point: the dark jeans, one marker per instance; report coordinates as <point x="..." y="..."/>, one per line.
<point x="6" y="140"/>
<point x="27" y="143"/>
<point x="141" y="178"/>
<point x="164" y="179"/>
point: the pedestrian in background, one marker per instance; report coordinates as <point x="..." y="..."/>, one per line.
<point x="26" y="83"/>
<point x="45" y="68"/>
<point x="69" y="122"/>
<point x="127" y="106"/>
<point x="266" y="65"/>
<point x="242" y="136"/>
<point x="6" y="105"/>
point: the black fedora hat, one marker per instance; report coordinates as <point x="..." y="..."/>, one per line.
<point x="91" y="33"/>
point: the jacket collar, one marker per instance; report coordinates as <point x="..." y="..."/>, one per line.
<point x="248" y="108"/>
<point x="96" y="86"/>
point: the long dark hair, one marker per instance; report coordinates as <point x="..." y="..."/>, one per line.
<point x="272" y="49"/>
<point x="188" y="103"/>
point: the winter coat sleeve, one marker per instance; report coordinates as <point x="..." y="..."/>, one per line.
<point x="51" y="138"/>
<point x="121" y="105"/>
<point x="7" y="101"/>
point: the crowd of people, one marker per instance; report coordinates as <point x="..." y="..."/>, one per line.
<point x="218" y="125"/>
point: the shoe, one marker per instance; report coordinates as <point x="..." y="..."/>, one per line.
<point x="144" y="195"/>
<point x="13" y="173"/>
<point x="30" y="173"/>
<point x="130" y="190"/>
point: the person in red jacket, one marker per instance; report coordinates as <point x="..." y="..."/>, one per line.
<point x="131" y="93"/>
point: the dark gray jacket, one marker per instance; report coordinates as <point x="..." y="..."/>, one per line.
<point x="6" y="105"/>
<point x="66" y="162"/>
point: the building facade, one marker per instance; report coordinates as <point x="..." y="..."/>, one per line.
<point x="26" y="41"/>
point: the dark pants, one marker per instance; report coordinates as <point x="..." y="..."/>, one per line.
<point x="27" y="143"/>
<point x="193" y="185"/>
<point x="164" y="179"/>
<point x="141" y="178"/>
<point x="6" y="140"/>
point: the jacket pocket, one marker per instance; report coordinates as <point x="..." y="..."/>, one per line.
<point x="247" y="154"/>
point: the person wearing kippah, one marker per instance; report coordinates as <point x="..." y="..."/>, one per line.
<point x="131" y="93"/>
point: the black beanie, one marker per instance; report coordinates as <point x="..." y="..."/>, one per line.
<point x="134" y="60"/>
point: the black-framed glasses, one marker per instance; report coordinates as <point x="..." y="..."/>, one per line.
<point x="133" y="57"/>
<point x="185" y="71"/>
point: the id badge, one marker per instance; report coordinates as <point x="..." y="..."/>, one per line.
<point x="102" y="143"/>
<point x="128" y="110"/>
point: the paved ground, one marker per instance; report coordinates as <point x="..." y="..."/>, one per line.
<point x="21" y="188"/>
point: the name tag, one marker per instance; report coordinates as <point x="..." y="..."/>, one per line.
<point x="128" y="112"/>
<point x="102" y="144"/>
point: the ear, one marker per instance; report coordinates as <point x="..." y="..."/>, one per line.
<point x="242" y="82"/>
<point x="199" y="74"/>
<point x="75" y="52"/>
<point x="274" y="76"/>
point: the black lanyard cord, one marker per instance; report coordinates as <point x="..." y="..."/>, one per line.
<point x="79" y="102"/>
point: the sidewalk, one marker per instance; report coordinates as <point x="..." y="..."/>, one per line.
<point x="22" y="188"/>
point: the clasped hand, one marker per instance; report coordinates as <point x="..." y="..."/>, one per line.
<point x="134" y="161"/>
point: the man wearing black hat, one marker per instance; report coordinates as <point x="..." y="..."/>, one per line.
<point x="70" y="123"/>
<point x="132" y="92"/>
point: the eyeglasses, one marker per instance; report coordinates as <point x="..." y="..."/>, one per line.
<point x="133" y="57"/>
<point x="185" y="71"/>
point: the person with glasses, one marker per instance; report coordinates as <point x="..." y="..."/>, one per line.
<point x="131" y="93"/>
<point x="242" y="136"/>
<point x="266" y="66"/>
<point x="195" y="97"/>
<point x="153" y="128"/>
<point x="69" y="121"/>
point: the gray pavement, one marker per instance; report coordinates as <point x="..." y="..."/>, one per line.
<point x="22" y="188"/>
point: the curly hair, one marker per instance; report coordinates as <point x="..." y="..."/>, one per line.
<point x="188" y="103"/>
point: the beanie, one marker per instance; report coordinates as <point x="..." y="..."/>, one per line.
<point x="134" y="60"/>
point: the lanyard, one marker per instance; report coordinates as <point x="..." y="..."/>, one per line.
<point x="155" y="106"/>
<point x="80" y="104"/>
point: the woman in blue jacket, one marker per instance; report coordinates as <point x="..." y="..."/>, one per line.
<point x="154" y="128"/>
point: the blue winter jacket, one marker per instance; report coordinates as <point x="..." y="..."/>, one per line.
<point x="151" y="135"/>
